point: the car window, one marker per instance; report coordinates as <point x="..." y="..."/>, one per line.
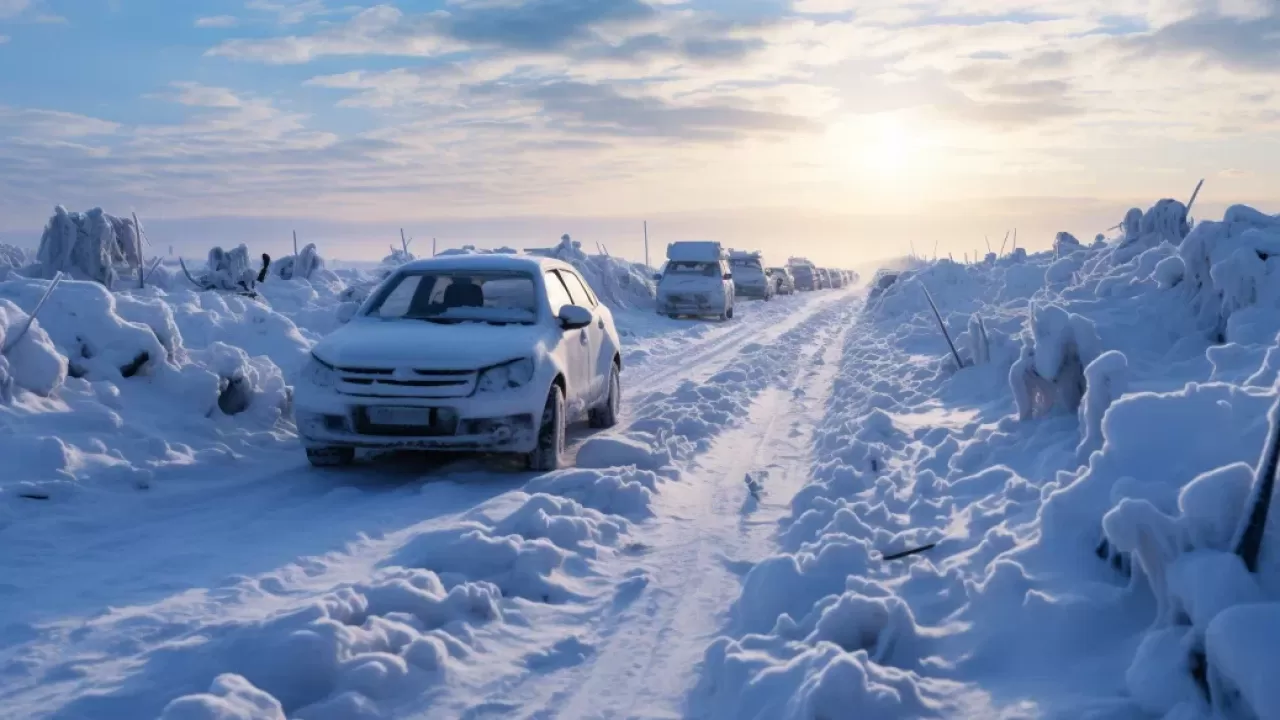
<point x="557" y="294"/>
<point x="458" y="296"/>
<point x="396" y="303"/>
<point x="577" y="289"/>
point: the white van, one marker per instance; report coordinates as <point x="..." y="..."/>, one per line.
<point x="696" y="281"/>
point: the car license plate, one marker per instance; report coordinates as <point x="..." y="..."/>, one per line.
<point x="400" y="416"/>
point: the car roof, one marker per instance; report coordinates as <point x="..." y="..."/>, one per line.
<point x="486" y="261"/>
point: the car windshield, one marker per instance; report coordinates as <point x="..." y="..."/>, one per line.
<point x="693" y="268"/>
<point x="452" y="296"/>
<point x="745" y="263"/>
<point x="801" y="271"/>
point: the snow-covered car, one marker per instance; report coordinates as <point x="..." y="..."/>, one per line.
<point x="749" y="278"/>
<point x="836" y="277"/>
<point x="696" y="281"/>
<point x="784" y="283"/>
<point x="805" y="275"/>
<point x="487" y="353"/>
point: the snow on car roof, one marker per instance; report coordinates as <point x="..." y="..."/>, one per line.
<point x="493" y="262"/>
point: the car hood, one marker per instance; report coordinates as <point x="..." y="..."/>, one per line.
<point x="428" y="346"/>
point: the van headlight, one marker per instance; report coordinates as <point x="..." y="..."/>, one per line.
<point x="319" y="373"/>
<point x="511" y="374"/>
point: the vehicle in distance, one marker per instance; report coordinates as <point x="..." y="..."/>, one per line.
<point x="490" y="353"/>
<point x="837" y="278"/>
<point x="749" y="278"/>
<point x="805" y="274"/>
<point x="696" y="281"/>
<point x="783" y="282"/>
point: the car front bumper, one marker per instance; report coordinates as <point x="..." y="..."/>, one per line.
<point x="691" y="305"/>
<point x="503" y="421"/>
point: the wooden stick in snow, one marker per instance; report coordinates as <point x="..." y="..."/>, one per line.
<point x="295" y="244"/>
<point x="942" y="326"/>
<point x="154" y="265"/>
<point x="13" y="341"/>
<point x="1192" y="201"/>
<point x="1249" y="537"/>
<point x="988" y="241"/>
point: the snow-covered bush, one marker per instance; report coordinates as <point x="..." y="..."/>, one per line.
<point x="30" y="361"/>
<point x="1231" y="277"/>
<point x="301" y="266"/>
<point x="229" y="270"/>
<point x="12" y="256"/>
<point x="1049" y="375"/>
<point x="88" y="246"/>
<point x="620" y="284"/>
<point x="1106" y="379"/>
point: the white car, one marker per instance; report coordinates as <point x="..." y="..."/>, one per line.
<point x="489" y="353"/>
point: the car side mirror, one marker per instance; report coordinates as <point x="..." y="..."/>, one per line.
<point x="728" y="276"/>
<point x="574" y="317"/>
<point x="346" y="311"/>
<point x="657" y="277"/>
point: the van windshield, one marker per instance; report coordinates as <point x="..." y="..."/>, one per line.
<point x="745" y="263"/>
<point x="694" y="268"/>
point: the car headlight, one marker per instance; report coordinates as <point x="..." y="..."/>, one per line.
<point x="512" y="374"/>
<point x="319" y="373"/>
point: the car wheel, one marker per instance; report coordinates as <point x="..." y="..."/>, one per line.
<point x="549" y="454"/>
<point x="728" y="314"/>
<point x="331" y="456"/>
<point x="606" y="416"/>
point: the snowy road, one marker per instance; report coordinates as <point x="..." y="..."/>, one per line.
<point x="398" y="590"/>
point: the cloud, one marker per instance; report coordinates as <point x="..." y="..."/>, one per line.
<point x="12" y="8"/>
<point x="1250" y="43"/>
<point x="601" y="109"/>
<point x="217" y="21"/>
<point x="289" y="12"/>
<point x="537" y="24"/>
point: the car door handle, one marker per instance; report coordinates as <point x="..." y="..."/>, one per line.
<point x="600" y="323"/>
<point x="582" y="337"/>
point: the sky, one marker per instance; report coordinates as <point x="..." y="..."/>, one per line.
<point x="838" y="129"/>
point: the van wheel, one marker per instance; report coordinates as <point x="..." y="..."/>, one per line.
<point x="549" y="455"/>
<point x="331" y="456"/>
<point x="729" y="313"/>
<point x="606" y="416"/>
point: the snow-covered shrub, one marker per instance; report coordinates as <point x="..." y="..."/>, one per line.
<point x="1230" y="268"/>
<point x="620" y="284"/>
<point x="88" y="246"/>
<point x="12" y="256"/>
<point x="1065" y="243"/>
<point x="29" y="362"/>
<point x="1049" y="374"/>
<point x="1106" y="379"/>
<point x="1169" y="272"/>
<point x="301" y="266"/>
<point x="229" y="270"/>
<point x="977" y="342"/>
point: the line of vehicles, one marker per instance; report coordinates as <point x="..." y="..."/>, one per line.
<point x="500" y="353"/>
<point x="704" y="279"/>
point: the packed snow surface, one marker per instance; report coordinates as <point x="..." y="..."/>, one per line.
<point x="809" y="512"/>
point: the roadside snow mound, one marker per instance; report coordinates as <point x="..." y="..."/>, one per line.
<point x="12" y="257"/>
<point x="107" y="386"/>
<point x="1070" y="502"/>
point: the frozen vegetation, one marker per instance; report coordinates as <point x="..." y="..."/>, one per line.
<point x="810" y="512"/>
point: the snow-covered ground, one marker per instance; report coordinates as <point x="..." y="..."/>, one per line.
<point x="1075" y="494"/>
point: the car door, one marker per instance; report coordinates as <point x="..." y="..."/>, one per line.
<point x="575" y="344"/>
<point x="598" y="334"/>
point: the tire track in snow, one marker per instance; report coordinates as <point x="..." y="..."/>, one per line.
<point x="706" y="429"/>
<point x="394" y="620"/>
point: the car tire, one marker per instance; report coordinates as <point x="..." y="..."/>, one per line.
<point x="331" y="456"/>
<point x="606" y="416"/>
<point x="549" y="454"/>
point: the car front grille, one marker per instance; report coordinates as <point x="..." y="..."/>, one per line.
<point x="418" y="383"/>
<point x="444" y="422"/>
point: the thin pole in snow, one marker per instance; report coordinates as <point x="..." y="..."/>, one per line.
<point x="942" y="326"/>
<point x="15" y="339"/>
<point x="646" y="244"/>
<point x="433" y="247"/>
<point x="1004" y="242"/>
<point x="295" y="243"/>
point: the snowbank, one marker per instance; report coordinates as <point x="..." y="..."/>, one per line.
<point x="1071" y="502"/>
